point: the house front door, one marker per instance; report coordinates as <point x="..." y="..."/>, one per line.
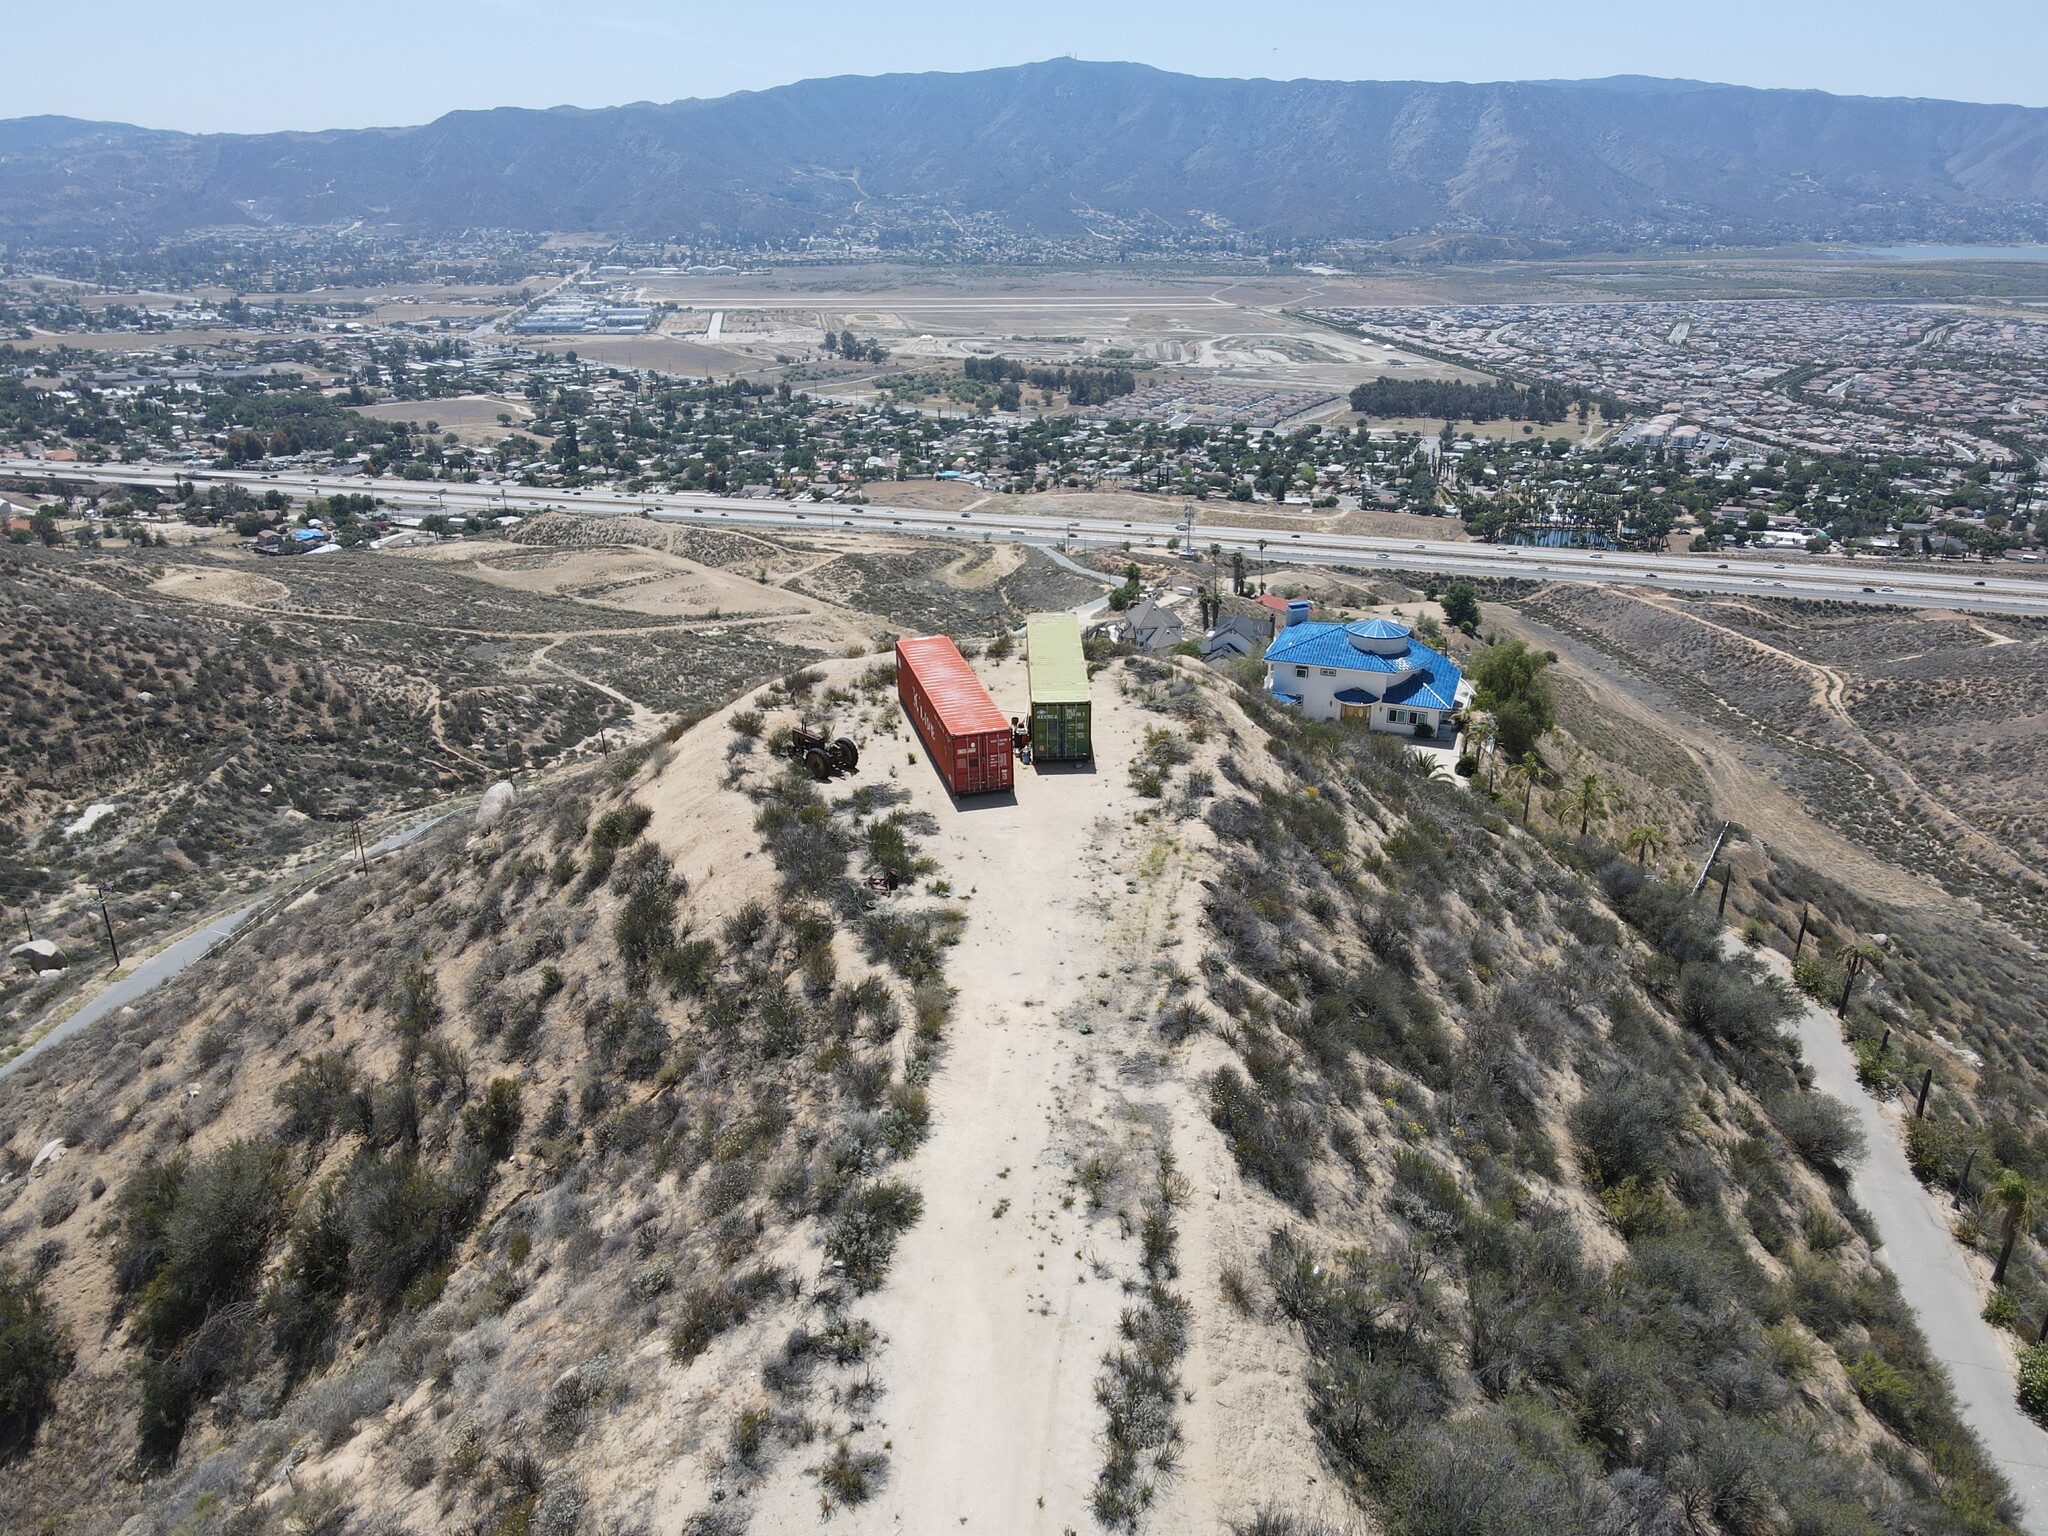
<point x="1356" y="711"/>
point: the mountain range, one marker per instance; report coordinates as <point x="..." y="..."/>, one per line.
<point x="1066" y="149"/>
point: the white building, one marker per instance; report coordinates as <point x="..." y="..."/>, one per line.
<point x="1373" y="672"/>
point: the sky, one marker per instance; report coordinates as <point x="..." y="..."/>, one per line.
<point x="212" y="66"/>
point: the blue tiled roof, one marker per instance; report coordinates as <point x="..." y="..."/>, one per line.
<point x="1433" y="686"/>
<point x="1378" y="629"/>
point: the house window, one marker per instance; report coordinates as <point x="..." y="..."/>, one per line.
<point x="1301" y="671"/>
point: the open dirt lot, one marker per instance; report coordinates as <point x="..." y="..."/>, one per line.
<point x="453" y="413"/>
<point x="222" y="586"/>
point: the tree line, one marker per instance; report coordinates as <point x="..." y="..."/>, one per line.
<point x="1081" y="386"/>
<point x="1454" y="400"/>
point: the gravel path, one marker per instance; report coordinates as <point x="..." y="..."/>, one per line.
<point x="1937" y="1284"/>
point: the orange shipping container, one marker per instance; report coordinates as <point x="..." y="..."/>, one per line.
<point x="966" y="734"/>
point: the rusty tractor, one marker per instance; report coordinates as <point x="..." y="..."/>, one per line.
<point x="823" y="757"/>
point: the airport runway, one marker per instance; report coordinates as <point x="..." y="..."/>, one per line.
<point x="1990" y="587"/>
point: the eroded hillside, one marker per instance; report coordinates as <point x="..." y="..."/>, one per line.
<point x="1243" y="1130"/>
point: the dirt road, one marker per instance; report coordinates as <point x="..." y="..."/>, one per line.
<point x="1004" y="1299"/>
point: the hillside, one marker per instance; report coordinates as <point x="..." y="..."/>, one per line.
<point x="1064" y="148"/>
<point x="1246" y="1130"/>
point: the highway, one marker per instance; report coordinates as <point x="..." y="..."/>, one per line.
<point x="1998" y="588"/>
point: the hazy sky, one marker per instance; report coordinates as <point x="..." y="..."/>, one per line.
<point x="211" y="65"/>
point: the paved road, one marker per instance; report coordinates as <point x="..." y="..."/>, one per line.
<point x="144" y="979"/>
<point x="187" y="952"/>
<point x="2001" y="587"/>
<point x="1932" y="1276"/>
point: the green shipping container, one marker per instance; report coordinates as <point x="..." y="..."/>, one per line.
<point x="1060" y="711"/>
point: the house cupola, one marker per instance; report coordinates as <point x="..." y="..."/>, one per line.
<point x="1379" y="637"/>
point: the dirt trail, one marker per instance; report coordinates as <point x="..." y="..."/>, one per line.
<point x="1003" y="1300"/>
<point x="1830" y="688"/>
<point x="1740" y="791"/>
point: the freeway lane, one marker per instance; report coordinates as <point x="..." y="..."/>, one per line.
<point x="1994" y="588"/>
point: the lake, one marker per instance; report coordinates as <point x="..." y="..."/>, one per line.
<point x="1955" y="252"/>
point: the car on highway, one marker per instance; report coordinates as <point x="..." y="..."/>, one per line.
<point x="1887" y="589"/>
<point x="1870" y="589"/>
<point x="846" y="522"/>
<point x="1978" y="583"/>
<point x="1383" y="557"/>
<point x="897" y="521"/>
<point x="1722" y="566"/>
<point x="1294" y="535"/>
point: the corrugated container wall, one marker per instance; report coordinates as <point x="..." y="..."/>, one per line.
<point x="1062" y="715"/>
<point x="967" y="735"/>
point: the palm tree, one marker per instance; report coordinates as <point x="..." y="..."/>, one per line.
<point x="1479" y="734"/>
<point x="1528" y="773"/>
<point x="1589" y="799"/>
<point x="1644" y="841"/>
<point x="2012" y="1196"/>
<point x="1854" y="958"/>
<point x="1424" y="765"/>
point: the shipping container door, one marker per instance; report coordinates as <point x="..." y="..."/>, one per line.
<point x="1078" y="744"/>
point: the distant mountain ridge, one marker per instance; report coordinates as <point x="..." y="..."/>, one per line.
<point x="1064" y="148"/>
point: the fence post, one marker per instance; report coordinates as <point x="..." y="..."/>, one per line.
<point x="1805" y="913"/>
<point x="1963" y="1183"/>
<point x="1926" y="1082"/>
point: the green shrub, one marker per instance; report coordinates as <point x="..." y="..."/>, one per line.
<point x="1821" y="1129"/>
<point x="862" y="1237"/>
<point x="2001" y="1311"/>
<point x="614" y="830"/>
<point x="319" y="1099"/>
<point x="1629" y="1125"/>
<point x="35" y="1353"/>
<point x="492" y="1123"/>
<point x="192" y="1243"/>
<point x="1272" y="1145"/>
<point x="2033" y="1381"/>
<point x="709" y="1309"/>
<point x="848" y="1476"/>
<point x="1886" y="1391"/>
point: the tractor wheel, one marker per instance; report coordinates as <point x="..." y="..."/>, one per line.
<point x="846" y="754"/>
<point x="819" y="764"/>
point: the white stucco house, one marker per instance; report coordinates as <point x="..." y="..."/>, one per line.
<point x="1373" y="671"/>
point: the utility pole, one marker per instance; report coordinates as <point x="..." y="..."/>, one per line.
<point x="110" y="926"/>
<point x="355" y="825"/>
<point x="1727" y="876"/>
